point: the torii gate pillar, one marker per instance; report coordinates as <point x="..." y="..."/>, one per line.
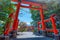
<point x="15" y="23"/>
<point x="42" y="20"/>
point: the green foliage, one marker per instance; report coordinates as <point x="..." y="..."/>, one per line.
<point x="35" y="16"/>
<point x="5" y="9"/>
<point x="1" y="30"/>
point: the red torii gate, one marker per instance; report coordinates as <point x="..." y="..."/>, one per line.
<point x="15" y="23"/>
<point x="53" y="20"/>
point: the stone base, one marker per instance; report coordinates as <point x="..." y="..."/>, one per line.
<point x="59" y="37"/>
<point x="39" y="32"/>
<point x="13" y="34"/>
<point x="56" y="37"/>
<point x="44" y="33"/>
<point x="4" y="38"/>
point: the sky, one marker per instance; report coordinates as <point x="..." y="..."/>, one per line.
<point x="25" y="15"/>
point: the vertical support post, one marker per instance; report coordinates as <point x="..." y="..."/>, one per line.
<point x="54" y="28"/>
<point x="7" y="28"/>
<point x="42" y="20"/>
<point x="39" y="27"/>
<point x="15" y="23"/>
<point x="16" y="16"/>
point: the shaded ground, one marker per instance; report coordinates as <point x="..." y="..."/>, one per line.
<point x="36" y="38"/>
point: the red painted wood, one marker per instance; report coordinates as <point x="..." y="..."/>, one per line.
<point x="15" y="0"/>
<point x="29" y="7"/>
<point x="16" y="26"/>
<point x="42" y="18"/>
<point x="7" y="30"/>
<point x="54" y="25"/>
<point x="31" y="3"/>
<point x="41" y="23"/>
<point x="26" y="2"/>
<point x="16" y="16"/>
<point x="39" y="27"/>
<point x="47" y="20"/>
<point x="49" y="30"/>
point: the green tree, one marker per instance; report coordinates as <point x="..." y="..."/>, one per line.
<point x="23" y="26"/>
<point x="5" y="9"/>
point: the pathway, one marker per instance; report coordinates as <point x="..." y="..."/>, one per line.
<point x="29" y="36"/>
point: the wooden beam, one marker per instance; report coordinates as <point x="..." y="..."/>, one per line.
<point x="29" y="7"/>
<point x="47" y="20"/>
<point x="31" y="3"/>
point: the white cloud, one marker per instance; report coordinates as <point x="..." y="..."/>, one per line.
<point x="28" y="23"/>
